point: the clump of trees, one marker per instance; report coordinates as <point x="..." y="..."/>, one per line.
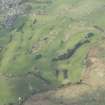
<point x="70" y="52"/>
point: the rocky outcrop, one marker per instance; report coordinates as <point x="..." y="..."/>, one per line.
<point x="12" y="7"/>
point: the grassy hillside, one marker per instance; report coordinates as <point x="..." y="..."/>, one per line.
<point x="48" y="45"/>
<point x="89" y="92"/>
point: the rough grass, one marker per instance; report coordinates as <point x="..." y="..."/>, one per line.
<point x="66" y="23"/>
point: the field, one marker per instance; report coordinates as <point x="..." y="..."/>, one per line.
<point x="48" y="46"/>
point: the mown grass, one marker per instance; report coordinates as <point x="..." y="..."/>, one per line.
<point x="17" y="57"/>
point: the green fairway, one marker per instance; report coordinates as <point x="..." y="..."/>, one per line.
<point x="47" y="31"/>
